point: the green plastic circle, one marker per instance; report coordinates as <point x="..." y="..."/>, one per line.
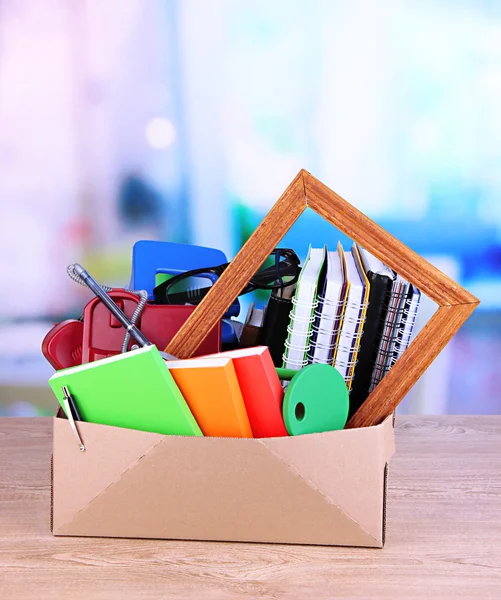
<point x="316" y="400"/>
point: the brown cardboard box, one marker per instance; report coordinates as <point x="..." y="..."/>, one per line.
<point x="326" y="488"/>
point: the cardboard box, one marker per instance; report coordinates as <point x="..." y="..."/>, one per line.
<point x="327" y="488"/>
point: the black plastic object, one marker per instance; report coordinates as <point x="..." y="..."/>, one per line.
<point x="271" y="278"/>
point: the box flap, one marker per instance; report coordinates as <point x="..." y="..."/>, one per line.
<point x="387" y="437"/>
<point x="226" y="489"/>
<point x="80" y="476"/>
<point x="356" y="457"/>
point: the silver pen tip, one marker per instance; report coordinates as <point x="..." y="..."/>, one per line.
<point x="79" y="270"/>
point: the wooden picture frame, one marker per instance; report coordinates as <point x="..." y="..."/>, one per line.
<point x="305" y="191"/>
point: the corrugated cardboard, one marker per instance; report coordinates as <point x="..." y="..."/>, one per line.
<point x="326" y="488"/>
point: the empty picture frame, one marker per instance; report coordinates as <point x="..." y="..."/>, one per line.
<point x="305" y="191"/>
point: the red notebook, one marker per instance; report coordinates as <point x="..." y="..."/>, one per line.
<point x="261" y="390"/>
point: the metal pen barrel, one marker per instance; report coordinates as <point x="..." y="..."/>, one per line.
<point x="92" y="284"/>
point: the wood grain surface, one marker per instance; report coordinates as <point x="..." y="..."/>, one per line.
<point x="443" y="534"/>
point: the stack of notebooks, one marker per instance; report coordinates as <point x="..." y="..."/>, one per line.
<point x="351" y="311"/>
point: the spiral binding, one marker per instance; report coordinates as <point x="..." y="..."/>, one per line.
<point x="291" y="363"/>
<point x="294" y="317"/>
<point x="385" y="339"/>
<point x="303" y="347"/>
<point x="330" y="326"/>
<point x="374" y="383"/>
<point x="359" y="321"/>
<point x="311" y="305"/>
<point x="307" y="320"/>
<point x="364" y="306"/>
<point x="403" y="339"/>
<point x="313" y="359"/>
<point x="357" y="335"/>
<point x="312" y="329"/>
<point x="388" y="356"/>
<point x="383" y="354"/>
<point x="345" y="348"/>
<point x="347" y="364"/>
<point x="349" y="344"/>
<point x="325" y="346"/>
<point x="338" y="305"/>
<point x="329" y="347"/>
<point x="303" y="334"/>
<point x="321" y="299"/>
<point x="328" y="330"/>
<point x="291" y="346"/>
<point x="395" y="307"/>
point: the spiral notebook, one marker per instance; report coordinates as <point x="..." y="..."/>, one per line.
<point x="404" y="333"/>
<point x="302" y="315"/>
<point x="354" y="317"/>
<point x="393" y="305"/>
<point x="392" y="322"/>
<point x="381" y="279"/>
<point x="333" y="293"/>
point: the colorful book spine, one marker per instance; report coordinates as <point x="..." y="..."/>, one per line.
<point x="211" y="390"/>
<point x="330" y="311"/>
<point x="354" y="318"/>
<point x="261" y="389"/>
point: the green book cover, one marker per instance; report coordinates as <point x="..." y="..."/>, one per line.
<point x="133" y="390"/>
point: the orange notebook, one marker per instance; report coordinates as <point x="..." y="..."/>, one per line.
<point x="210" y="388"/>
<point x="261" y="389"/>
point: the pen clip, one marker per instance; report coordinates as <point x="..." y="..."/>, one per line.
<point x="69" y="413"/>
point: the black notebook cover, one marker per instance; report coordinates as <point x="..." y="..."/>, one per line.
<point x="274" y="332"/>
<point x="379" y="297"/>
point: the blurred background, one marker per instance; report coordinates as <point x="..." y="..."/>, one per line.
<point x="185" y="120"/>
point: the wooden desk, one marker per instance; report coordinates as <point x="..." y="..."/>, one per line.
<point x="443" y="535"/>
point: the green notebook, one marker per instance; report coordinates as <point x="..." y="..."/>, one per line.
<point x="133" y="390"/>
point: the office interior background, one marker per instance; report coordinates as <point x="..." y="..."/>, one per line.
<point x="185" y="120"/>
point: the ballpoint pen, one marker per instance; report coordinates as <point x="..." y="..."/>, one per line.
<point x="123" y="319"/>
<point x="73" y="415"/>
